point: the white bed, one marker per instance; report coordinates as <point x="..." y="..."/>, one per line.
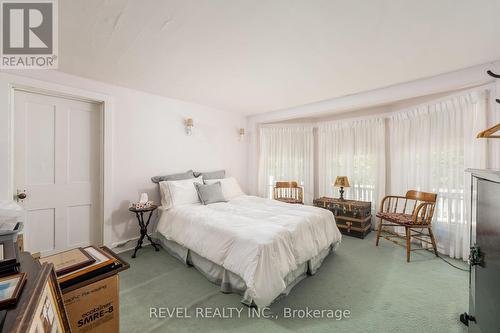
<point x="259" y="240"/>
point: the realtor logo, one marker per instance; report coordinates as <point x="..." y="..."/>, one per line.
<point x="29" y="34"/>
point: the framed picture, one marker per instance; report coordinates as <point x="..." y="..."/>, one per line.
<point x="101" y="259"/>
<point x="69" y="261"/>
<point x="45" y="312"/>
<point x="10" y="289"/>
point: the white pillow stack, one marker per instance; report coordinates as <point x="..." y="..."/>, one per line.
<point x="179" y="192"/>
<point x="230" y="187"/>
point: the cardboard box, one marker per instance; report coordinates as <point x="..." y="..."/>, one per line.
<point x="94" y="308"/>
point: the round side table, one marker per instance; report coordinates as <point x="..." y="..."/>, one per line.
<point x="139" y="213"/>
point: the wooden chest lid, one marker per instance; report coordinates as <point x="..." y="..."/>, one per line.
<point x="337" y="201"/>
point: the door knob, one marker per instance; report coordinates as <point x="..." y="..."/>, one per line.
<point x="21" y="195"/>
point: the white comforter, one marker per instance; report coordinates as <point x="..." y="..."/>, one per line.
<point x="259" y="239"/>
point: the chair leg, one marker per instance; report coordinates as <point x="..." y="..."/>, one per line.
<point x="378" y="232"/>
<point x="408" y="244"/>
<point x="433" y="241"/>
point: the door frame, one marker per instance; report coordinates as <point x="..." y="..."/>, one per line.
<point x="105" y="117"/>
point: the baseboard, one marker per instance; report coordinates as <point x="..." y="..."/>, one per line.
<point x="129" y="244"/>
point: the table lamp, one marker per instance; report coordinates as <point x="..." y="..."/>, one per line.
<point x="342" y="182"/>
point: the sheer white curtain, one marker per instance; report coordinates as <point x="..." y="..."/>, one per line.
<point x="355" y="149"/>
<point x="287" y="154"/>
<point x="430" y="147"/>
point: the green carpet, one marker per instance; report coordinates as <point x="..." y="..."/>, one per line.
<point x="382" y="292"/>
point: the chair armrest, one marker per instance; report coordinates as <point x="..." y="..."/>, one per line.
<point x="394" y="196"/>
<point x="424" y="211"/>
<point x="381" y="207"/>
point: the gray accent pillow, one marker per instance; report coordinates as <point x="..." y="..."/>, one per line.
<point x="210" y="193"/>
<point x="219" y="174"/>
<point x="177" y="176"/>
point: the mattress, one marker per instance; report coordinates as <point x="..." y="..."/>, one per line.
<point x="261" y="241"/>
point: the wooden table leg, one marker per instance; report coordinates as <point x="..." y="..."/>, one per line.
<point x="149" y="237"/>
<point x="144" y="232"/>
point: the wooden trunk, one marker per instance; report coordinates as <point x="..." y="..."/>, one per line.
<point x="353" y="218"/>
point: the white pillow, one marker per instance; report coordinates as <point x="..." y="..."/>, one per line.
<point x="230" y="187"/>
<point x="179" y="192"/>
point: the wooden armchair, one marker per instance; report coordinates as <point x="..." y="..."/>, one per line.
<point x="288" y="192"/>
<point x="413" y="212"/>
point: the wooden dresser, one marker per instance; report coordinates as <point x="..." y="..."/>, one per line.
<point x="353" y="217"/>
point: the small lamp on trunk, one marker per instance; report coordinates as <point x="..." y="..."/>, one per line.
<point x="342" y="182"/>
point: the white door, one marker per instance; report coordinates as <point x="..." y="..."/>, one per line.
<point x="57" y="163"/>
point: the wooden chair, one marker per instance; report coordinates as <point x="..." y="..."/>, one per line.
<point x="413" y="212"/>
<point x="288" y="192"/>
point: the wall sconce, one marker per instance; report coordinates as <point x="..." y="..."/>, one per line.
<point x="189" y="125"/>
<point x="242" y="133"/>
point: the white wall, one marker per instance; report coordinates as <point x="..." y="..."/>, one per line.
<point x="148" y="139"/>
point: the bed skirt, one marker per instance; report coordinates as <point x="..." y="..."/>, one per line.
<point x="230" y="282"/>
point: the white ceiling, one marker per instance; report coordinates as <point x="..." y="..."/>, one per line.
<point x="253" y="56"/>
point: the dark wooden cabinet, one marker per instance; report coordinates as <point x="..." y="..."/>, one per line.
<point x="353" y="217"/>
<point x="19" y="317"/>
<point x="9" y="318"/>
<point x="484" y="299"/>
